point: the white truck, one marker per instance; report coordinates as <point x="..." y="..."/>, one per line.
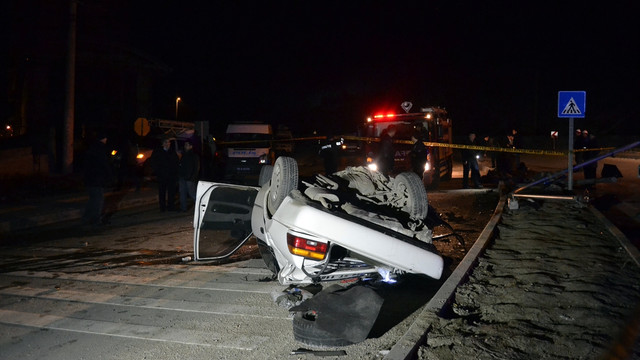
<point x="248" y="147"/>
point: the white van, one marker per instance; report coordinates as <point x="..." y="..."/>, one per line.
<point x="248" y="146"/>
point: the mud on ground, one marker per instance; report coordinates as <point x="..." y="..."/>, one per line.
<point x="467" y="212"/>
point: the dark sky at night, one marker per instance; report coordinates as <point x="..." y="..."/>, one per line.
<point x="491" y="64"/>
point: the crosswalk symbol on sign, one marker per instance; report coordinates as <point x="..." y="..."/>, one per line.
<point x="572" y="104"/>
<point x="571" y="108"/>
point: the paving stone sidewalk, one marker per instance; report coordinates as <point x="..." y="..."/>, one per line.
<point x="556" y="283"/>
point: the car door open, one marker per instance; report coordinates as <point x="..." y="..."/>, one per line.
<point x="222" y="219"/>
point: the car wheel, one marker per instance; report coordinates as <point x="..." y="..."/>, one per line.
<point x="409" y="185"/>
<point x="265" y="174"/>
<point x="284" y="179"/>
<point x="307" y="332"/>
<point x="268" y="257"/>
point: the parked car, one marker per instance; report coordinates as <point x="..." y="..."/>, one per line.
<point x="355" y="223"/>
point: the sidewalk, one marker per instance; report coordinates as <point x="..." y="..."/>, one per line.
<point x="69" y="207"/>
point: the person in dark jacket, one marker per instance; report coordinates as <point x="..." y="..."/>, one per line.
<point x="386" y="157"/>
<point x="418" y="154"/>
<point x="589" y="142"/>
<point x="329" y="153"/>
<point x="188" y="171"/>
<point x="164" y="162"/>
<point x="97" y="175"/>
<point x="470" y="164"/>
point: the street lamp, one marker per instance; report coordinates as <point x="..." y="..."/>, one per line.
<point x="177" y="101"/>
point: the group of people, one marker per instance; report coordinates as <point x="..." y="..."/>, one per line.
<point x="505" y="163"/>
<point x="418" y="153"/>
<point x="177" y="172"/>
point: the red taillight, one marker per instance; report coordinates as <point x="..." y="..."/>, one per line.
<point x="307" y="248"/>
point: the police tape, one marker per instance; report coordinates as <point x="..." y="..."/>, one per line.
<point x="480" y="148"/>
<point x="511" y="150"/>
<point x="426" y="143"/>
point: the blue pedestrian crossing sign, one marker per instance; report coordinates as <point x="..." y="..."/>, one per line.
<point x="572" y="104"/>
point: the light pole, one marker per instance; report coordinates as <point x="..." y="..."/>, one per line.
<point x="177" y="101"/>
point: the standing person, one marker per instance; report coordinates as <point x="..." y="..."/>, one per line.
<point x="418" y="154"/>
<point x="505" y="160"/>
<point x="577" y="144"/>
<point x="470" y="164"/>
<point x="516" y="144"/>
<point x="589" y="142"/>
<point x="329" y="154"/>
<point x="97" y="175"/>
<point x="164" y="162"/>
<point x="188" y="171"/>
<point x="489" y="142"/>
<point x="386" y="157"/>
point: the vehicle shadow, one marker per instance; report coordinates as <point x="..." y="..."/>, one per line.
<point x="402" y="299"/>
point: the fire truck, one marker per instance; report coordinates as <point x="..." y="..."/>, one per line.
<point x="432" y="123"/>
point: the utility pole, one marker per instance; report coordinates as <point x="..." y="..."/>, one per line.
<point x="69" y="111"/>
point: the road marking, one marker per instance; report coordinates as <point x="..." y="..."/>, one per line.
<point x="85" y="297"/>
<point x="136" y="280"/>
<point x="129" y="331"/>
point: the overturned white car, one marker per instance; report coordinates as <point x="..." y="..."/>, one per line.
<point x="355" y="223"/>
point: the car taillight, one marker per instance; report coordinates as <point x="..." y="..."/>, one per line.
<point x="305" y="247"/>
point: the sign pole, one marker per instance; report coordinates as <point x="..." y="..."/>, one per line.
<point x="571" y="104"/>
<point x="570" y="161"/>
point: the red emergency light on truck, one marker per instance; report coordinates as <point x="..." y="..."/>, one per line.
<point x="432" y="124"/>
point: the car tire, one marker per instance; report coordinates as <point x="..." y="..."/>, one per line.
<point x="417" y="205"/>
<point x="268" y="257"/>
<point x="265" y="174"/>
<point x="284" y="179"/>
<point x="307" y="332"/>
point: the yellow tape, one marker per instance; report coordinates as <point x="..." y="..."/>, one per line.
<point x="428" y="144"/>
<point x="480" y="148"/>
